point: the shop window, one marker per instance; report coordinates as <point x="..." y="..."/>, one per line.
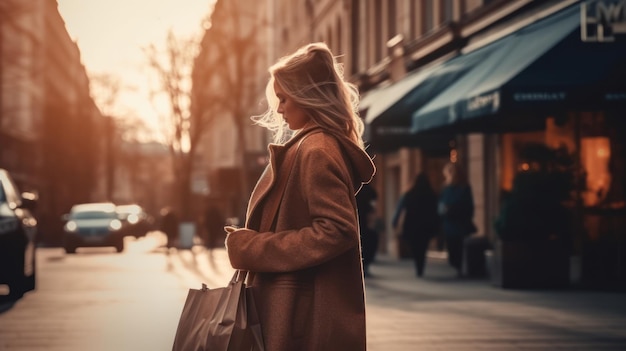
<point x="595" y="155"/>
<point x="512" y="144"/>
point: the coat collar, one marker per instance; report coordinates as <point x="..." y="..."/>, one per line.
<point x="361" y="164"/>
<point x="268" y="179"/>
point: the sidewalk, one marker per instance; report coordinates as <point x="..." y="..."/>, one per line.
<point x="442" y="312"/>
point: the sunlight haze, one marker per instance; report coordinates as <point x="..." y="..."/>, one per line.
<point x="111" y="34"/>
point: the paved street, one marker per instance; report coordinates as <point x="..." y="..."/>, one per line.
<point x="100" y="300"/>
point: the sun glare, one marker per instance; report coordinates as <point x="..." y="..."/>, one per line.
<point x="111" y="36"/>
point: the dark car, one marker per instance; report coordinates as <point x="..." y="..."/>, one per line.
<point x="93" y="225"/>
<point x="135" y="221"/>
<point x="18" y="231"/>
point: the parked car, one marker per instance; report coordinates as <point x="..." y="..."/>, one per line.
<point x="135" y="221"/>
<point x="18" y="231"/>
<point x="93" y="225"/>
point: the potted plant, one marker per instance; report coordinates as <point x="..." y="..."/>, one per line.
<point x="534" y="225"/>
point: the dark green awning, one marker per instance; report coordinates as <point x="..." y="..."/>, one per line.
<point x="389" y="109"/>
<point x="542" y="69"/>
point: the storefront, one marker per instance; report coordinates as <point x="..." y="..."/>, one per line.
<point x="554" y="82"/>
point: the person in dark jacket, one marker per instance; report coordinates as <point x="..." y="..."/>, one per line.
<point x="421" y="221"/>
<point x="169" y="226"/>
<point x="365" y="203"/>
<point x="456" y="207"/>
<point x="214" y="225"/>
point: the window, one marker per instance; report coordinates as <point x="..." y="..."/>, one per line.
<point x="412" y="19"/>
<point x="339" y="37"/>
<point x="447" y="10"/>
<point x="354" y="59"/>
<point x="427" y="16"/>
<point x="391" y="19"/>
<point x="378" y="30"/>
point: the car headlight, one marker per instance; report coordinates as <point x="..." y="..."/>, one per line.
<point x="115" y="224"/>
<point x="133" y="219"/>
<point x="71" y="226"/>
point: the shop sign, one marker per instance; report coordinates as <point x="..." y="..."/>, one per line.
<point x="482" y="101"/>
<point x="619" y="96"/>
<point x="602" y="20"/>
<point x="540" y="96"/>
<point x="393" y="130"/>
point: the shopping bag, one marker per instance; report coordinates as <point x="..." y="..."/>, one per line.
<point x="223" y="319"/>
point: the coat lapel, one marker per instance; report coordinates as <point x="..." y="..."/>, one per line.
<point x="266" y="181"/>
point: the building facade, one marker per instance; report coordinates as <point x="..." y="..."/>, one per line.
<point x="412" y="59"/>
<point x="513" y="90"/>
<point x="229" y="78"/>
<point x="49" y="136"/>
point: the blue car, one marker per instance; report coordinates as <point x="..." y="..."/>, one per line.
<point x="18" y="232"/>
<point x="93" y="225"/>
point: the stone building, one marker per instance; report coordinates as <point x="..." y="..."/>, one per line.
<point x="229" y="79"/>
<point x="476" y="82"/>
<point x="49" y="125"/>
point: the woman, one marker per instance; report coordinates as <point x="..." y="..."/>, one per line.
<point x="421" y="221"/>
<point x="456" y="207"/>
<point x="306" y="268"/>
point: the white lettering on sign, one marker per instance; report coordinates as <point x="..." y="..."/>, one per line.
<point x="393" y="130"/>
<point x="540" y="96"/>
<point x="601" y="20"/>
<point x="479" y="102"/>
<point x="615" y="96"/>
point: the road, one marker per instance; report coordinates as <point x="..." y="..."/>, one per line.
<point x="100" y="300"/>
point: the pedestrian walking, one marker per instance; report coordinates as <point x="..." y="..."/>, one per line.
<point x="421" y="220"/>
<point x="366" y="205"/>
<point x="214" y="226"/>
<point x="456" y="207"/>
<point x="307" y="271"/>
<point x="169" y="226"/>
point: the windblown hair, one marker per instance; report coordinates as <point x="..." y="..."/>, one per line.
<point x="313" y="79"/>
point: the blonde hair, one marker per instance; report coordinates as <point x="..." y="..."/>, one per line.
<point x="314" y="80"/>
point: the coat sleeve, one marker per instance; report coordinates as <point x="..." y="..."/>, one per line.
<point x="333" y="228"/>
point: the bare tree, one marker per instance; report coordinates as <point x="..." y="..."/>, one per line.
<point x="105" y="89"/>
<point x="120" y="128"/>
<point x="233" y="39"/>
<point x="181" y="129"/>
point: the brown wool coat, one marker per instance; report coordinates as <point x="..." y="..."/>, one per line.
<point x="308" y="278"/>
